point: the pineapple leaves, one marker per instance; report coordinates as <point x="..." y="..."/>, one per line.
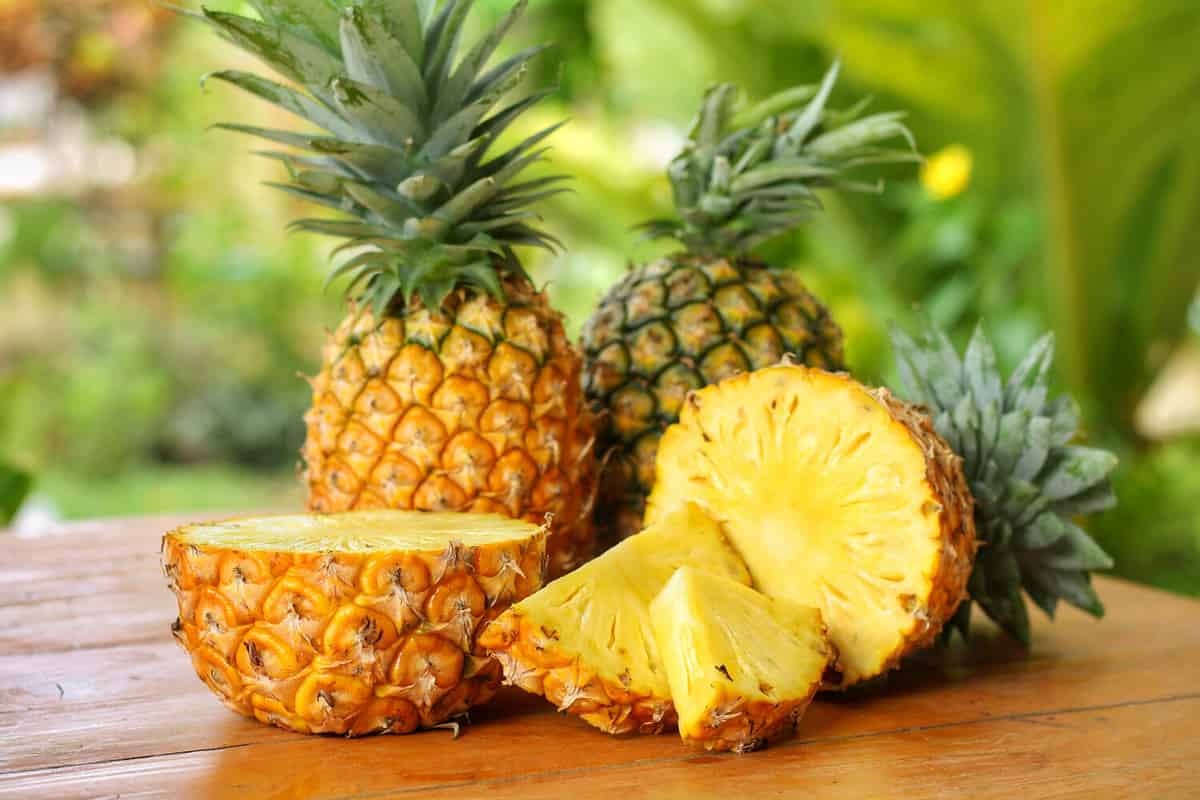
<point x="405" y="127"/>
<point x="746" y="177"/>
<point x="1030" y="482"/>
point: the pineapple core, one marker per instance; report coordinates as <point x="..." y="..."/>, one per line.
<point x="586" y="642"/>
<point x="742" y="666"/>
<point x="357" y="532"/>
<point x="835" y="496"/>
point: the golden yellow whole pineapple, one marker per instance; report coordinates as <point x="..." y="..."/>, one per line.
<point x="742" y="666"/>
<point x="836" y="496"/>
<point x="450" y="385"/>
<point x="712" y="310"/>
<point x="586" y="641"/>
<point x="355" y="623"/>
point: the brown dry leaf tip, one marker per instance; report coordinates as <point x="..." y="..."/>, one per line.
<point x="454" y="557"/>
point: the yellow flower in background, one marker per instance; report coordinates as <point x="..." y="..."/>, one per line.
<point x="947" y="172"/>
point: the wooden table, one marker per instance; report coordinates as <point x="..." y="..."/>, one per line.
<point x="97" y="700"/>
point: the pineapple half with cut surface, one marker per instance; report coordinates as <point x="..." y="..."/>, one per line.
<point x="586" y="642"/>
<point x="713" y="310"/>
<point x="836" y="496"/>
<point x="742" y="666"/>
<point x="356" y="623"/>
<point x="451" y="384"/>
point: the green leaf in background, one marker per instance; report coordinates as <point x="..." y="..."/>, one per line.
<point x="14" y="487"/>
<point x="1098" y="121"/>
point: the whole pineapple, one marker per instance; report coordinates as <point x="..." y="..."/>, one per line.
<point x="450" y="385"/>
<point x="712" y="311"/>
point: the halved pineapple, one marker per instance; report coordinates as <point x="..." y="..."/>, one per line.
<point x="836" y="496"/>
<point x="742" y="666"/>
<point x="352" y="623"/>
<point x="586" y="642"/>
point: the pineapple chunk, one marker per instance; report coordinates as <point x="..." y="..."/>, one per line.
<point x="586" y="642"/>
<point x="742" y="666"/>
<point x="836" y="496"/>
<point x="350" y="623"/>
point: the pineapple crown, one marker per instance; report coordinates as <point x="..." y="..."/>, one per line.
<point x="406" y="134"/>
<point x="746" y="176"/>
<point x="1030" y="482"/>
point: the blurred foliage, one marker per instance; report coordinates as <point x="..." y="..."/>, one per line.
<point x="14" y="487"/>
<point x="157" y="327"/>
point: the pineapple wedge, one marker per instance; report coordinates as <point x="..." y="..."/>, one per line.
<point x="352" y="623"/>
<point x="586" y="641"/>
<point x="742" y="666"/>
<point x="836" y="496"/>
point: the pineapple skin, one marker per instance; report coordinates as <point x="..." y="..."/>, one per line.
<point x="673" y="326"/>
<point x="475" y="407"/>
<point x="943" y="476"/>
<point x="531" y="661"/>
<point x="347" y="643"/>
<point x="943" y="472"/>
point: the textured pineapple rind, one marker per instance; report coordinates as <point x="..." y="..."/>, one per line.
<point x="475" y="407"/>
<point x="347" y="643"/>
<point x="725" y="316"/>
<point x="750" y="727"/>
<point x="944" y="476"/>
<point x="565" y="681"/>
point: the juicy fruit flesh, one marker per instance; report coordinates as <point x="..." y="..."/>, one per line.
<point x="823" y="494"/>
<point x="741" y="665"/>
<point x="358" y="532"/>
<point x="587" y="637"/>
<point x="354" y="627"/>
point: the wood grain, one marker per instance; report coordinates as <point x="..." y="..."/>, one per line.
<point x="95" y="700"/>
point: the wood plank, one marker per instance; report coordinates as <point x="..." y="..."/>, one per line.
<point x="132" y="697"/>
<point x="132" y="718"/>
<point x="1104" y="751"/>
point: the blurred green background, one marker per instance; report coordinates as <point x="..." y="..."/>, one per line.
<point x="155" y="316"/>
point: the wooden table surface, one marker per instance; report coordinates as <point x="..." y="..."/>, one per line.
<point x="96" y="699"/>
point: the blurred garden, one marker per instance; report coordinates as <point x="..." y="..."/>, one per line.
<point x="155" y="315"/>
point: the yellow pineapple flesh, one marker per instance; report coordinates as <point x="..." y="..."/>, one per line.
<point x="836" y="496"/>
<point x="586" y="641"/>
<point x="355" y="623"/>
<point x="742" y="666"/>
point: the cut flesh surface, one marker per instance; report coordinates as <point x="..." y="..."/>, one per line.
<point x="586" y="640"/>
<point x="828" y="495"/>
<point x="357" y="532"/>
<point x="742" y="666"/>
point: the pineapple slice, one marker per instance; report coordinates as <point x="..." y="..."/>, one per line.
<point x="586" y="642"/>
<point x="836" y="496"/>
<point x="350" y="623"/>
<point x="742" y="666"/>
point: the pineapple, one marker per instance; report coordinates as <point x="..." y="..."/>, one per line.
<point x="451" y="384"/>
<point x="742" y="666"/>
<point x="836" y="496"/>
<point x="354" y="623"/>
<point x="586" y="641"/>
<point x="1032" y="484"/>
<point x="712" y="310"/>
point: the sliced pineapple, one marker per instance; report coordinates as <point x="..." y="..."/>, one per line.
<point x="742" y="666"/>
<point x="836" y="496"/>
<point x="352" y="623"/>
<point x="586" y="642"/>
